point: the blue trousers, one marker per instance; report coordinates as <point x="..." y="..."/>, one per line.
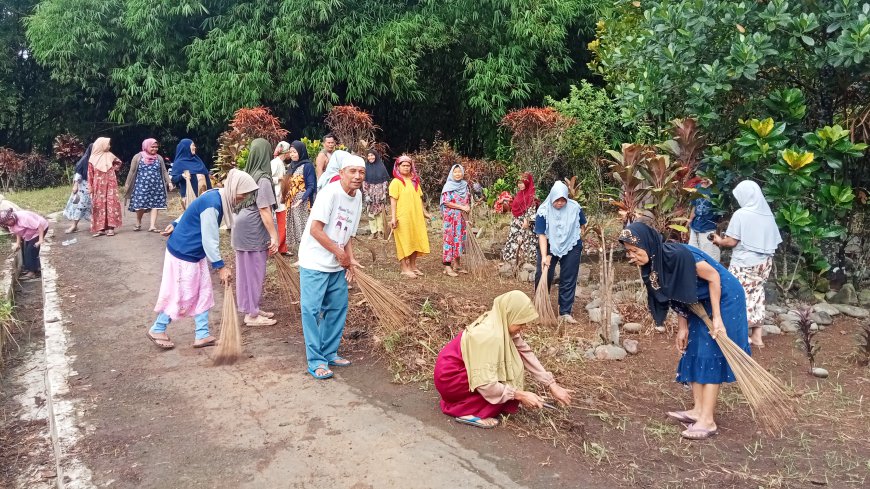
<point x="569" y="269"/>
<point x="201" y="321"/>
<point x="326" y="293"/>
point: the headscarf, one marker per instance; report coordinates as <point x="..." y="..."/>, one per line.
<point x="563" y="225"/>
<point x="488" y="350"/>
<point x="237" y="183"/>
<point x="452" y="185"/>
<point x="185" y="160"/>
<point x="414" y="176"/>
<point x="259" y="164"/>
<point x="281" y="148"/>
<point x="101" y="158"/>
<point x="82" y="165"/>
<point x="147" y="158"/>
<point x="376" y="172"/>
<point x="525" y="198"/>
<point x="302" y="151"/>
<point x="332" y="168"/>
<point x="8" y="218"/>
<point x="670" y="273"/>
<point x="753" y="223"/>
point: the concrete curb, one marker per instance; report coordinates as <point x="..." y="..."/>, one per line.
<point x="71" y="472"/>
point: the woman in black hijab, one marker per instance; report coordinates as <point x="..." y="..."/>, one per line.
<point x="678" y="275"/>
<point x="375" y="193"/>
<point x="78" y="206"/>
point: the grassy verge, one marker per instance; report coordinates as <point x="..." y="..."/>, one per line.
<point x="43" y="201"/>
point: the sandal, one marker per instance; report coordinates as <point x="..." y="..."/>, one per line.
<point x="340" y="362"/>
<point x="260" y="321"/>
<point x="450" y="273"/>
<point x="326" y="375"/>
<point x="417" y="272"/>
<point x="693" y="433"/>
<point x="682" y="417"/>
<point x="98" y="234"/>
<point x="137" y="228"/>
<point x="110" y="232"/>
<point x="153" y="230"/>
<point x="166" y="345"/>
<point x="71" y="230"/>
<point x="205" y="344"/>
<point x="476" y="422"/>
<point x="462" y="270"/>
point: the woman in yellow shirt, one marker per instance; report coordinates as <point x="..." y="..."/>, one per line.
<point x="408" y="216"/>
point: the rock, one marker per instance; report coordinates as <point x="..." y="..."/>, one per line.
<point x="589" y="354"/>
<point x="610" y="352"/>
<point x="830" y="295"/>
<point x="846" y="295"/>
<point x="822" y="318"/>
<point x="596" y="303"/>
<point x="632" y="328"/>
<point x="771" y="329"/>
<point x="595" y="294"/>
<point x="789" y="316"/>
<point x="630" y="346"/>
<point x="853" y="311"/>
<point x="595" y="315"/>
<point x="771" y="293"/>
<point x="776" y="309"/>
<point x="506" y="270"/>
<point x="532" y="280"/>
<point x="864" y="297"/>
<point x="523" y="276"/>
<point x="820" y="372"/>
<point x="788" y="327"/>
<point x="814" y="327"/>
<point x="829" y="309"/>
<point x="529" y="267"/>
<point x="823" y="285"/>
<point x="805" y="294"/>
<point x="819" y="296"/>
<point x="616" y="319"/>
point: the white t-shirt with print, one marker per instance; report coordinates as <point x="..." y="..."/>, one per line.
<point x="340" y="214"/>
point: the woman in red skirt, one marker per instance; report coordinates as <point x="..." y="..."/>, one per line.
<point x="480" y="373"/>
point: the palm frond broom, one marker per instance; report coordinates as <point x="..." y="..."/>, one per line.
<point x="392" y="312"/>
<point x="546" y="314"/>
<point x="474" y="258"/>
<point x="765" y="394"/>
<point x="288" y="278"/>
<point x="229" y="346"/>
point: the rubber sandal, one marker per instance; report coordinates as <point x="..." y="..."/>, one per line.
<point x="474" y="421"/>
<point x="153" y="230"/>
<point x="450" y="273"/>
<point x="155" y="341"/>
<point x="137" y="228"/>
<point x="681" y="417"/>
<point x="417" y="272"/>
<point x="313" y="372"/>
<point x="697" y="434"/>
<point x="97" y="235"/>
<point x="261" y="321"/>
<point x="334" y="362"/>
<point x="211" y="342"/>
<point x="110" y="233"/>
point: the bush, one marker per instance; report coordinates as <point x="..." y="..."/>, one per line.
<point x="246" y="125"/>
<point x="537" y="138"/>
<point x="434" y="161"/>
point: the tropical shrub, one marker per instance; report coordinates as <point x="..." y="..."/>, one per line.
<point x="537" y="138"/>
<point x="433" y="162"/>
<point x="10" y="165"/>
<point x="246" y="125"/>
<point x="354" y="128"/>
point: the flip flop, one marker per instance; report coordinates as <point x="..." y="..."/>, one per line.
<point x="137" y="228"/>
<point x="153" y="230"/>
<point x="313" y="372"/>
<point x="97" y="235"/>
<point x="474" y="421"/>
<point x="110" y="233"/>
<point x="155" y="341"/>
<point x="261" y="321"/>
<point x="211" y="342"/>
<point x="693" y="433"/>
<point x="681" y="417"/>
<point x="417" y="272"/>
<point x="334" y="362"/>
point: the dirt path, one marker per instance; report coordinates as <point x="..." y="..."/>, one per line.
<point x="170" y="419"/>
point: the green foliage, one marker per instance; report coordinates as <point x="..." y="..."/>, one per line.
<point x="719" y="59"/>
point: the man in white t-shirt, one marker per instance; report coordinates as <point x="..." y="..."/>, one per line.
<point x="326" y="264"/>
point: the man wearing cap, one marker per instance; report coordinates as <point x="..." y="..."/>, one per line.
<point x="326" y="264"/>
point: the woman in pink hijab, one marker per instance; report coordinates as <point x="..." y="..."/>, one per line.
<point x="146" y="184"/>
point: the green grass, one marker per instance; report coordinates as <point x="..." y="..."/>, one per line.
<point x="43" y="201"/>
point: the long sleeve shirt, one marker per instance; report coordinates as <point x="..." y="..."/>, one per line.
<point x="196" y="232"/>
<point x="499" y="393"/>
<point x="29" y="225"/>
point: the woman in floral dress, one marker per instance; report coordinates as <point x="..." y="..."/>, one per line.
<point x="455" y="203"/>
<point x="375" y="193"/>
<point x="146" y="184"/>
<point x="521" y="245"/>
<point x="103" y="168"/>
<point x="299" y="192"/>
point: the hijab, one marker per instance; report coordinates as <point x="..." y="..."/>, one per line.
<point x="237" y="183"/>
<point x="185" y="160"/>
<point x="452" y="185"/>
<point x="82" y="165"/>
<point x="525" y="198"/>
<point x="302" y="151"/>
<point x="259" y="164"/>
<point x="563" y="225"/>
<point x="488" y="350"/>
<point x="376" y="173"/>
<point x="753" y="223"/>
<point x="332" y="168"/>
<point x="670" y="273"/>
<point x="414" y="176"/>
<point x="148" y="159"/>
<point x="101" y="158"/>
<point x="281" y="148"/>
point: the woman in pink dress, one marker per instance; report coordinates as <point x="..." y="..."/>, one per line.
<point x="103" y="168"/>
<point x="480" y="374"/>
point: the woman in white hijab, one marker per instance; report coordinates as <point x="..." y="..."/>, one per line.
<point x="754" y="236"/>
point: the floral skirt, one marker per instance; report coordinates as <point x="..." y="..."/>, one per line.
<point x="753" y="279"/>
<point x="521" y="245"/>
<point x="375" y="197"/>
<point x="76" y="211"/>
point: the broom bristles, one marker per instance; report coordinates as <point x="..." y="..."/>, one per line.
<point x="229" y="347"/>
<point x="546" y="314"/>
<point x="765" y="394"/>
<point x="474" y="257"/>
<point x="392" y="312"/>
<point x="288" y="278"/>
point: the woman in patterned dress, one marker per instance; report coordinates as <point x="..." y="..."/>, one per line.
<point x="521" y="244"/>
<point x="455" y="204"/>
<point x="103" y="168"/>
<point x="299" y="192"/>
<point x="753" y="234"/>
<point x="78" y="206"/>
<point x="146" y="184"/>
<point x="375" y="193"/>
